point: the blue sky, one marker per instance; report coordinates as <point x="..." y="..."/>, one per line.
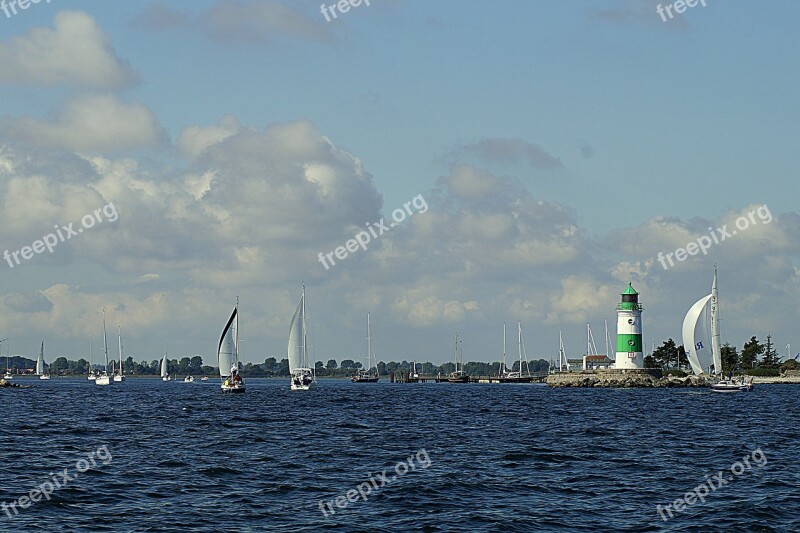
<point x="603" y="134"/>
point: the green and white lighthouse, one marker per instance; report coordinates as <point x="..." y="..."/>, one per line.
<point x="629" y="331"/>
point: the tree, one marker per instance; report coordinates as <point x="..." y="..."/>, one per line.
<point x="750" y="352"/>
<point x="331" y="364"/>
<point x="319" y="368"/>
<point x="348" y="364"/>
<point x="730" y="357"/>
<point x="771" y="358"/>
<point x="650" y="362"/>
<point x="196" y="364"/>
<point x="667" y="354"/>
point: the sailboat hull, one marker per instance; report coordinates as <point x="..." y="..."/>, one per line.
<point x="312" y="385"/>
<point x="364" y="380"/>
<point x="119" y="378"/>
<point x="44" y="377"/>
<point x="103" y="380"/>
<point x="233" y="389"/>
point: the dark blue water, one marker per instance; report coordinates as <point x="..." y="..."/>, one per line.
<point x="185" y="457"/>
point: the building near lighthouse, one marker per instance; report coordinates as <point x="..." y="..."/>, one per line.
<point x="629" y="331"/>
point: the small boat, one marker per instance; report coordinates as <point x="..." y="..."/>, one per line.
<point x="366" y="375"/>
<point x="164" y="373"/>
<point x="302" y="373"/>
<point x="40" y="365"/>
<point x="188" y="379"/>
<point x="104" y="378"/>
<point x="741" y="384"/>
<point x="120" y="374"/>
<point x="458" y="376"/>
<point x="228" y="355"/>
<point x="204" y="378"/>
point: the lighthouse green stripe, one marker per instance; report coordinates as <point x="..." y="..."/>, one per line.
<point x="623" y="344"/>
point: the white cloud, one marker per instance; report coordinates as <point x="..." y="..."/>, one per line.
<point x="93" y="123"/>
<point x="75" y="54"/>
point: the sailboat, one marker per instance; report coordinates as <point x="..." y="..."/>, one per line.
<point x="92" y="376"/>
<point x="119" y="376"/>
<point x="8" y="374"/>
<point x="517" y="376"/>
<point x="458" y="376"/>
<point x="708" y="357"/>
<point x="104" y="378"/>
<point x="228" y="355"/>
<point x="303" y="376"/>
<point x="164" y="373"/>
<point x="366" y="375"/>
<point x="40" y="365"/>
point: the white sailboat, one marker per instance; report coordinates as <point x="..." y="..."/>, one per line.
<point x="120" y="375"/>
<point x="706" y="357"/>
<point x="518" y="376"/>
<point x="302" y="373"/>
<point x="164" y="373"/>
<point x="104" y="378"/>
<point x="458" y="376"/>
<point x="228" y="354"/>
<point x="366" y="375"/>
<point x="40" y="365"/>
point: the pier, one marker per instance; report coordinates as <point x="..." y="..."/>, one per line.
<point x="406" y="377"/>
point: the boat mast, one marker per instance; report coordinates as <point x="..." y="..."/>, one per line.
<point x="105" y="339"/>
<point x="519" y="347"/>
<point x="455" y="352"/>
<point x="369" y="345"/>
<point x="608" y="339"/>
<point x="119" y="336"/>
<point x="236" y="340"/>
<point x="504" y="349"/>
<point x="305" y="336"/>
<point x="715" y="349"/>
<point x="560" y="351"/>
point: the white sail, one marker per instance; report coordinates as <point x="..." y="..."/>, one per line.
<point x="40" y="362"/>
<point x="698" y="352"/>
<point x="226" y="352"/>
<point x="164" y="366"/>
<point x="297" y="335"/>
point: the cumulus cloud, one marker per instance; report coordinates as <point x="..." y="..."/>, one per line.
<point x="91" y="123"/>
<point x="194" y="139"/>
<point x="76" y="53"/>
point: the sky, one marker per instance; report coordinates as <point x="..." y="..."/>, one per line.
<point x="537" y="156"/>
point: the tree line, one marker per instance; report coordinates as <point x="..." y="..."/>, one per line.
<point x="755" y="358"/>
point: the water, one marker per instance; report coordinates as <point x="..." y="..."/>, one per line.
<point x="185" y="457"/>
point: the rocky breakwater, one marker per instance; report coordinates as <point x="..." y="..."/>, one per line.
<point x="4" y="384"/>
<point x="627" y="379"/>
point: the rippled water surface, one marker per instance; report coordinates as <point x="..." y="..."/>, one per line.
<point x="185" y="457"/>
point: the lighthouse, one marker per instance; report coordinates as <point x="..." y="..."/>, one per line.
<point x="629" y="331"/>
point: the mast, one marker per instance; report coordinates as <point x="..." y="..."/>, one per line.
<point x="608" y="339"/>
<point x="90" y="356"/>
<point x="119" y="336"/>
<point x="716" y="356"/>
<point x="369" y="344"/>
<point x="455" y="352"/>
<point x="519" y="347"/>
<point x="304" y="362"/>
<point x="105" y="339"/>
<point x="236" y="339"/>
<point x="504" y="349"/>
<point x="561" y="354"/>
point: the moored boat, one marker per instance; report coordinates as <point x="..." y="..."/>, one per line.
<point x="366" y="375"/>
<point x="301" y="371"/>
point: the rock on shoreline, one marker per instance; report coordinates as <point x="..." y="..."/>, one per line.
<point x="607" y="379"/>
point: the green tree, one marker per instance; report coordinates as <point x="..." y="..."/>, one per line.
<point x="196" y="364"/>
<point x="730" y="358"/>
<point x="771" y="359"/>
<point x="331" y="364"/>
<point x="319" y="368"/>
<point x="667" y="354"/>
<point x="750" y="352"/>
